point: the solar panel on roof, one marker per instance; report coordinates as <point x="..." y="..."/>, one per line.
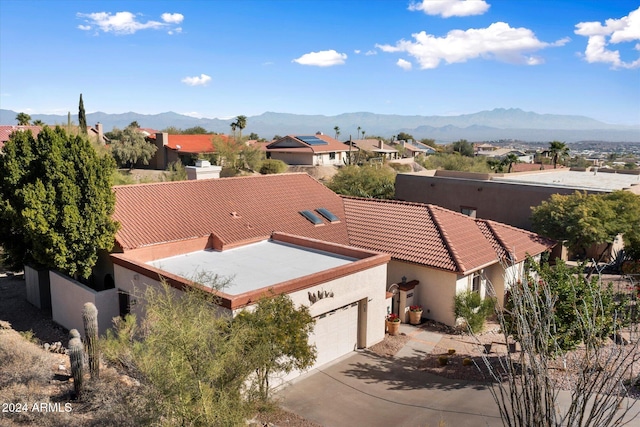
<point x="311" y="217"/>
<point x="328" y="214"/>
<point x="312" y="140"/>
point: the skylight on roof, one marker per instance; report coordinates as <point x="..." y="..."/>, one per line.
<point x="328" y="214"/>
<point x="312" y="140"/>
<point x="311" y="217"/>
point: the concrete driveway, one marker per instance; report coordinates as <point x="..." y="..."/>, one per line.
<point x="364" y="389"/>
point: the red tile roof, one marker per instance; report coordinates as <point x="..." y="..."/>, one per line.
<point x="232" y="209"/>
<point x="6" y="131"/>
<point x="192" y="143"/>
<point x="332" y="145"/>
<point x="433" y="236"/>
<point x="516" y="242"/>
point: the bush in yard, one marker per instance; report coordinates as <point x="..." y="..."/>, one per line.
<point x="470" y="306"/>
<point x="272" y="166"/>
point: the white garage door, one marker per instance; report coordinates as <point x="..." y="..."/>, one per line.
<point x="336" y="333"/>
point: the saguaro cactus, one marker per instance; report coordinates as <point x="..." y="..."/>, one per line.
<point x="76" y="357"/>
<point x="90" y="319"/>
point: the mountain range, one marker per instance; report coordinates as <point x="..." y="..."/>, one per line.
<point x="493" y="125"/>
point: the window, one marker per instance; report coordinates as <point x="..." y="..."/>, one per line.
<point x="311" y="217"/>
<point x="328" y="214"/>
<point x="124" y="300"/>
<point x="468" y="211"/>
<point x="476" y="284"/>
<point x="332" y="156"/>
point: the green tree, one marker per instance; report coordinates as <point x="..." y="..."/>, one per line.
<point x="548" y="312"/>
<point x="456" y="162"/>
<point x="430" y="142"/>
<point x="559" y="151"/>
<point x="129" y="146"/>
<point x="364" y="181"/>
<point x="195" y="359"/>
<point x="403" y="136"/>
<point x="336" y="129"/>
<point x="196" y="130"/>
<point x="280" y="339"/>
<point x="23" y="119"/>
<point x="172" y="130"/>
<point x="583" y="219"/>
<point x="509" y="160"/>
<point x="463" y="147"/>
<point x="470" y="306"/>
<point x="82" y="117"/>
<point x="38" y="122"/>
<point x="134" y="124"/>
<point x="56" y="202"/>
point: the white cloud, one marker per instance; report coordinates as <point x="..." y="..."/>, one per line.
<point x="357" y="51"/>
<point x="371" y="52"/>
<point x="404" y="64"/>
<point x="498" y="41"/>
<point x="172" y="18"/>
<point x="201" y="80"/>
<point x="323" y="58"/>
<point x="193" y="114"/>
<point x="449" y="8"/>
<point x="127" y="22"/>
<point x="625" y="29"/>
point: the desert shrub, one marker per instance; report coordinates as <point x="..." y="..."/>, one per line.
<point x="467" y="361"/>
<point x="272" y="166"/>
<point x="443" y="360"/>
<point x="470" y="306"/>
<point x="400" y="167"/>
<point x="175" y="172"/>
<point x="228" y="172"/>
<point x="22" y="362"/>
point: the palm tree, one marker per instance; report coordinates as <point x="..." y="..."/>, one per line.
<point x="241" y="123"/>
<point x="337" y="129"/>
<point x="559" y="150"/>
<point x="23" y="119"/>
<point x="358" y="134"/>
<point x="362" y="134"/>
<point x="38" y="122"/>
<point x="509" y="160"/>
<point x="233" y="125"/>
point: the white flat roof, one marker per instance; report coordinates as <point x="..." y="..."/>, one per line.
<point x="574" y="179"/>
<point x="253" y="266"/>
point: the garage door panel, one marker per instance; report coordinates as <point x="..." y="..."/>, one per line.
<point x="335" y="333"/>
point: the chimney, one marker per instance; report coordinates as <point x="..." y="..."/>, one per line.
<point x="380" y="144"/>
<point x="100" y="131"/>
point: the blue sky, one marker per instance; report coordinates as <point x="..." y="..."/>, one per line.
<point x="224" y="58"/>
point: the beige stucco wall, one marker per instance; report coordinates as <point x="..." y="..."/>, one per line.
<point x="434" y="293"/>
<point x="69" y="296"/>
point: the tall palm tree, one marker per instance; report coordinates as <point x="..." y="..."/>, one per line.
<point x="241" y="123"/>
<point x="362" y="134"/>
<point x="234" y="126"/>
<point x="559" y="150"/>
<point x="38" y="122"/>
<point x="23" y="119"/>
<point x="358" y="134"/>
<point x="337" y="129"/>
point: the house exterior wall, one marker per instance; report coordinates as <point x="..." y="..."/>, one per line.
<point x="37" y="287"/>
<point x="293" y="158"/>
<point x="503" y="202"/>
<point x="434" y="293"/>
<point x="69" y="296"/>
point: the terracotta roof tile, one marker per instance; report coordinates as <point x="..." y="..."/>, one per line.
<point x="193" y="143"/>
<point x="506" y="239"/>
<point x="6" y="131"/>
<point x="435" y="236"/>
<point x="173" y="211"/>
<point x="332" y="145"/>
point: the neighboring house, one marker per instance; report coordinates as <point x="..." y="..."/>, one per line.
<point x="508" y="198"/>
<point x="501" y="153"/>
<point x="185" y="148"/>
<point x="413" y="148"/>
<point x="96" y="134"/>
<point x="440" y="251"/>
<point x="375" y="146"/>
<point x="484" y="149"/>
<point x="7" y="130"/>
<point x="311" y="150"/>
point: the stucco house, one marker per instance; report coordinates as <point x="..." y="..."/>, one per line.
<point x="342" y="257"/>
<point x="375" y="146"/>
<point x="185" y="148"/>
<point x="440" y="251"/>
<point x="7" y="130"/>
<point x="309" y="150"/>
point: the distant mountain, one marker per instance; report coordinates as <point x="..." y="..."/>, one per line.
<point x="500" y="123"/>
